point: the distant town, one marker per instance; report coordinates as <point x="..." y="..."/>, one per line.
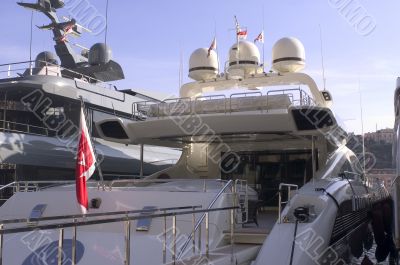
<point x="378" y="149"/>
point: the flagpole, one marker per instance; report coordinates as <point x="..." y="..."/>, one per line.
<point x="216" y="47"/>
<point x="263" y="41"/>
<point x="94" y="149"/>
<point x="237" y="39"/>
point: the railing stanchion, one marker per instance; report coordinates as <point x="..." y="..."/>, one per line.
<point x="127" y="242"/>
<point x="232" y="239"/>
<point x="73" y="252"/>
<point x="194" y="232"/>
<point x="174" y="238"/>
<point x="60" y="247"/>
<point x="1" y="246"/>
<point x="207" y="235"/>
<point x="165" y="239"/>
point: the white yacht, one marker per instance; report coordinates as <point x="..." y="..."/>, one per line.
<point x="265" y="177"/>
<point x="40" y="103"/>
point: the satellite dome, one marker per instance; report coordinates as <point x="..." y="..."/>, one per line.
<point x="99" y="53"/>
<point x="45" y="58"/>
<point x="288" y="55"/>
<point x="202" y="65"/>
<point x="244" y="59"/>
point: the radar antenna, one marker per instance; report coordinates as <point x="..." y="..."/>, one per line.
<point x="98" y="69"/>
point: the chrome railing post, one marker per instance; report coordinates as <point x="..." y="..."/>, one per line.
<point x="199" y="241"/>
<point x="60" y="247"/>
<point x="1" y="246"/>
<point x="73" y="252"/>
<point x="193" y="231"/>
<point x="207" y="235"/>
<point x="174" y="238"/>
<point x="165" y="239"/>
<point x="279" y="203"/>
<point x="127" y="242"/>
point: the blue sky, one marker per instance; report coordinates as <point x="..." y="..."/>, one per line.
<point x="147" y="38"/>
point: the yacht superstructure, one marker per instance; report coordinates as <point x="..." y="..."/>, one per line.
<point x="40" y="103"/>
<point x="265" y="177"/>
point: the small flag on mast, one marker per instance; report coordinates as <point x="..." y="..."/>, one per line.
<point x="260" y="37"/>
<point x="85" y="164"/>
<point x="213" y="46"/>
<point x="242" y="34"/>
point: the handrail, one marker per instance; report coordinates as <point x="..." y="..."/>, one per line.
<point x="280" y="202"/>
<point x="111" y="184"/>
<point x="229" y="183"/>
<point x="150" y="181"/>
<point x="27" y="126"/>
<point x="88" y="215"/>
<point x="56" y="65"/>
<point x="74" y="223"/>
<point x="242" y="93"/>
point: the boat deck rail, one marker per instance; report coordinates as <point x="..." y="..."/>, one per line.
<point x="227" y="104"/>
<point x="34" y="186"/>
<point x="61" y="223"/>
<point x="18" y="69"/>
<point x="75" y="221"/>
<point x="17" y="127"/>
<point x="290" y="189"/>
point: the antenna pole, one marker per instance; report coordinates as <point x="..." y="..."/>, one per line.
<point x="263" y="41"/>
<point x="322" y="57"/>
<point x="30" y="44"/>
<point x="180" y="67"/>
<point x="216" y="47"/>
<point x="106" y="29"/>
<point x="237" y="37"/>
<point x="362" y="126"/>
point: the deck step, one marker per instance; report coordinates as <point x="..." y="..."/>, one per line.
<point x="247" y="236"/>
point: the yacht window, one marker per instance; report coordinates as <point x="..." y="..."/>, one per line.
<point x="99" y="116"/>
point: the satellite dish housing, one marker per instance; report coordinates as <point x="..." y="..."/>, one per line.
<point x="244" y="59"/>
<point x="99" y="53"/>
<point x="46" y="58"/>
<point x="288" y="56"/>
<point x="203" y="65"/>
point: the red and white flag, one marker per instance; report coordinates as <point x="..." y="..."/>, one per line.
<point x="260" y="37"/>
<point x="85" y="164"/>
<point x="213" y="46"/>
<point x="241" y="34"/>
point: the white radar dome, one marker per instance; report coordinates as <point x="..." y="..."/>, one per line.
<point x="288" y="55"/>
<point x="244" y="57"/>
<point x="203" y="65"/>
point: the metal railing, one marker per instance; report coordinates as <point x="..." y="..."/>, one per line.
<point x="28" y="65"/>
<point x="290" y="188"/>
<point x="126" y="217"/>
<point x="205" y="216"/>
<point x="10" y="126"/>
<point x="32" y="186"/>
<point x="187" y="106"/>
